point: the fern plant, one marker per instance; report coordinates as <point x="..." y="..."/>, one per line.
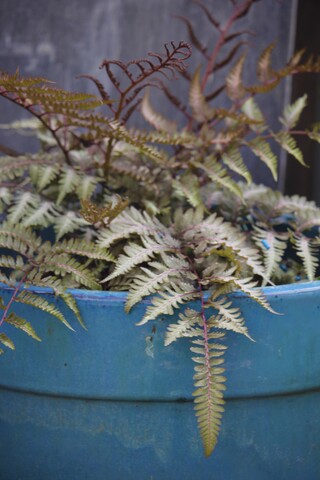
<point x="170" y="212"/>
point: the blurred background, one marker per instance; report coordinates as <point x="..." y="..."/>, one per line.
<point x="60" y="39"/>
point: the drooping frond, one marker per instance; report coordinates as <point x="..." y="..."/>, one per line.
<point x="71" y="303"/>
<point x="6" y="342"/>
<point x="262" y="149"/>
<point x="22" y="324"/>
<point x="288" y="143"/>
<point x="41" y="303"/>
<point x="210" y="384"/>
<point x="247" y="286"/>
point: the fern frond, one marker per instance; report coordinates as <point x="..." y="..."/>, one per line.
<point x="5" y="198"/>
<point x="202" y="111"/>
<point x="262" y="149"/>
<point x="248" y="286"/>
<point x="218" y="174"/>
<point x="265" y="72"/>
<point x="6" y="341"/>
<point x="74" y="246"/>
<point x="188" y="187"/>
<point x="136" y="254"/>
<point x="130" y="222"/>
<point x="41" y="303"/>
<point x="158" y="121"/>
<point x="68" y="182"/>
<point x="314" y="134"/>
<point x="168" y="301"/>
<point x="62" y="265"/>
<point x="288" y="143"/>
<point x="252" y="110"/>
<point x="234" y="85"/>
<point x="209" y="383"/>
<point x="24" y="203"/>
<point x="72" y="304"/>
<point x="87" y="186"/>
<point x="273" y="247"/>
<point x="42" y="176"/>
<point x="68" y="222"/>
<point x="151" y="281"/>
<point x="309" y="253"/>
<point x="234" y="161"/>
<point x="293" y="112"/>
<point x="229" y="317"/>
<point x="42" y="215"/>
<point x="19" y="239"/>
<point x="183" y="328"/>
<point x="22" y="324"/>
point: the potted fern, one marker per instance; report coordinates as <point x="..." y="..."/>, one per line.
<point x="111" y="226"/>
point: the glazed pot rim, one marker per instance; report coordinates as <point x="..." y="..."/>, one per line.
<point x="297" y="288"/>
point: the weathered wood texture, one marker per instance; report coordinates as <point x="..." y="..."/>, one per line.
<point x="61" y="39"/>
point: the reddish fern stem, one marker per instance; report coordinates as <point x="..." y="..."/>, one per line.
<point x="14" y="296"/>
<point x="15" y="100"/>
<point x="223" y="33"/>
<point x="203" y="316"/>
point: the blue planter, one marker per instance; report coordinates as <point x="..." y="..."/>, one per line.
<point x="114" y="403"/>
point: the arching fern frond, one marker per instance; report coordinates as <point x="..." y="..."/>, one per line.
<point x="29" y="298"/>
<point x="22" y="324"/>
<point x="202" y="112"/>
<point x="158" y="121"/>
<point x="288" y="143"/>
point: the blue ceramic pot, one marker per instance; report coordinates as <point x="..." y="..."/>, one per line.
<point x="114" y="403"/>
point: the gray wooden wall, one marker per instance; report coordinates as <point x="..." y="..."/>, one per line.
<point x="61" y="39"/>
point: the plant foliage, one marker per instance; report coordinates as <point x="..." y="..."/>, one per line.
<point x="169" y="213"/>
